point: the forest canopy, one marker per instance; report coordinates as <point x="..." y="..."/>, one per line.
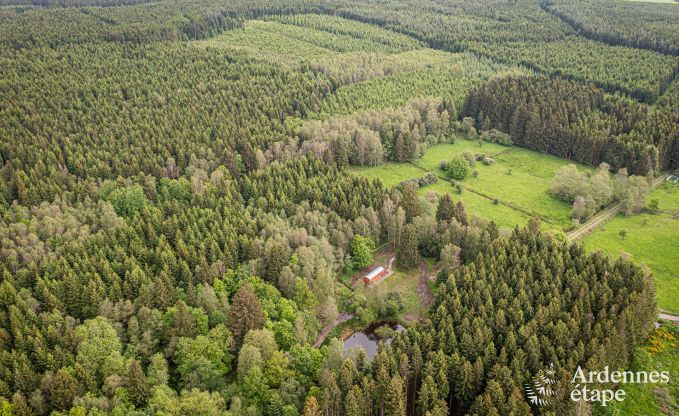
<point x="182" y="231"/>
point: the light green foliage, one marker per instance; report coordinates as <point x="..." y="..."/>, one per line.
<point x="522" y="194"/>
<point x="661" y="353"/>
<point x="451" y="82"/>
<point x="345" y="50"/>
<point x="165" y="401"/>
<point x="99" y="348"/>
<point x="127" y="201"/>
<point x="361" y="251"/>
<point x="506" y="32"/>
<point x="203" y="361"/>
<point x="650" y="239"/>
<point x="458" y="168"/>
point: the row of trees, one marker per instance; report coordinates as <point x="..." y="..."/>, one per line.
<point x="370" y="138"/>
<point x="589" y="193"/>
<point x="655" y="26"/>
<point x="522" y="33"/>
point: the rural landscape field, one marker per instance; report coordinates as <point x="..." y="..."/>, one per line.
<point x="339" y="207"/>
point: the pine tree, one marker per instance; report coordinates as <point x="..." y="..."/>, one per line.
<point x="245" y="314"/>
<point x="445" y="208"/>
<point x="394" y="401"/>
<point x="410" y="201"/>
<point x="406" y="254"/>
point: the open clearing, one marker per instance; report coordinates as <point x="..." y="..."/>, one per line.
<point x="520" y="194"/>
<point x="652" y="239"/>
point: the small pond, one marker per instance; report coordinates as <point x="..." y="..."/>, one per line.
<point x="368" y="339"/>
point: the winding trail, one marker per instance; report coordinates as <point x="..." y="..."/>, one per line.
<point x="605" y="215"/>
<point x="342" y="318"/>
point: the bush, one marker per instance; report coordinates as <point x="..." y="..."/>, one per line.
<point x="458" y="168"/>
<point x="470" y="157"/>
<point x="488" y="161"/>
<point x="496" y="136"/>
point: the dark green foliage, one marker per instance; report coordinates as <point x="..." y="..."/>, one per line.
<point x="655" y="26"/>
<point x="523" y="298"/>
<point x="406" y="253"/>
<point x="445" y="208"/>
<point x="410" y="202"/>
<point x="576" y="121"/>
<point x="245" y="314"/>
<point x="160" y="200"/>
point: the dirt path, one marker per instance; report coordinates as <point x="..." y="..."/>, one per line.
<point x="342" y="318"/>
<point x="603" y="216"/>
<point x="423" y="289"/>
<point x="673" y="319"/>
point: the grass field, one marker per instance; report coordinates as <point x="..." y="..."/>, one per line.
<point x="652" y="239"/>
<point x="521" y="194"/>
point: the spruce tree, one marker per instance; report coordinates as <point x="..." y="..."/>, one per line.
<point x="245" y="314"/>
<point x="460" y="213"/>
<point x="410" y="201"/>
<point x="445" y="208"/>
<point x="406" y="254"/>
<point x="394" y="401"/>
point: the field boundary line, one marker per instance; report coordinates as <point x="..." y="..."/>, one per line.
<point x="520" y="209"/>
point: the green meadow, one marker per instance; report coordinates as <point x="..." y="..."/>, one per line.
<point x="652" y="239"/>
<point x="509" y="192"/>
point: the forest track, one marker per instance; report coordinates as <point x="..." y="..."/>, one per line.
<point x="423" y="290"/>
<point x="342" y="318"/>
<point x="605" y="215"/>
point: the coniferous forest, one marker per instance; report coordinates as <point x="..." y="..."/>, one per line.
<point x="186" y="221"/>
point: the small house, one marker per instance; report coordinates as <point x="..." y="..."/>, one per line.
<point x="375" y="275"/>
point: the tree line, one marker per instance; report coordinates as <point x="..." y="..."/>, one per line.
<point x="579" y="122"/>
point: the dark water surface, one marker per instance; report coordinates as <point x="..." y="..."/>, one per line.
<point x="367" y="338"/>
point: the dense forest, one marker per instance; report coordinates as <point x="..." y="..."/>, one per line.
<point x="180" y="223"/>
<point x="578" y="122"/>
<point x="654" y="28"/>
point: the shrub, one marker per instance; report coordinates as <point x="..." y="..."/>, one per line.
<point x="458" y="168"/>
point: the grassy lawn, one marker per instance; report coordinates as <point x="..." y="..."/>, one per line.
<point x="391" y="174"/>
<point x="526" y="188"/>
<point x="481" y="207"/>
<point x="660" y="354"/>
<point x="652" y="239"/>
<point x="403" y="282"/>
<point x="521" y="194"/>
